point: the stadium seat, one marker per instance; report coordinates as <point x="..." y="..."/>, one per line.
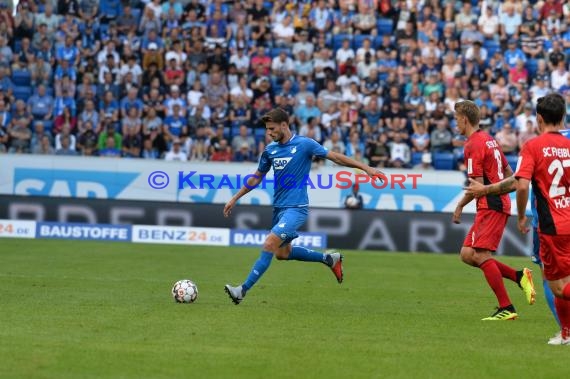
<point x="492" y="47"/>
<point x="358" y="40"/>
<point x="337" y="40"/>
<point x="385" y="26"/>
<point x="22" y="92"/>
<point x="378" y="41"/>
<point x="513" y="160"/>
<point x="137" y="14"/>
<point x="21" y="77"/>
<point x="17" y="46"/>
<point x="48" y="124"/>
<point x="277" y="50"/>
<point x="416" y="158"/>
<point x="443" y="161"/>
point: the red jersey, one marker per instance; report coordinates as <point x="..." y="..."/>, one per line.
<point x="545" y="161"/>
<point x="484" y="158"/>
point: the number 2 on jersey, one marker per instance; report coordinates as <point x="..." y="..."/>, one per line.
<point x="557" y="167"/>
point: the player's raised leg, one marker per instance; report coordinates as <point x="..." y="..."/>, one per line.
<point x="290" y="220"/>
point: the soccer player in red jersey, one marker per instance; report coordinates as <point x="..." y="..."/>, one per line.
<point x="487" y="164"/>
<point x="545" y="161"/>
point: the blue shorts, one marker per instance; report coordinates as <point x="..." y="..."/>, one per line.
<point x="535" y="257"/>
<point x="286" y="222"/>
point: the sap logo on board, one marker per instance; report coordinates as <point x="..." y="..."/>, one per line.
<point x="71" y="183"/>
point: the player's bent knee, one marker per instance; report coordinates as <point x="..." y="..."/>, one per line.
<point x="272" y="243"/>
<point x="283" y="252"/>
<point x="557" y="288"/>
<point x="466" y="255"/>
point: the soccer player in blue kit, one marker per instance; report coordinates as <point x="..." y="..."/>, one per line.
<point x="291" y="157"/>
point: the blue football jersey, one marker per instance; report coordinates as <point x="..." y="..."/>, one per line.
<point x="565" y="133"/>
<point x="291" y="164"/>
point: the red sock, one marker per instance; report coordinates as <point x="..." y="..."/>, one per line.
<point x="566" y="291"/>
<point x="495" y="280"/>
<point x="506" y="271"/>
<point x="563" y="312"/>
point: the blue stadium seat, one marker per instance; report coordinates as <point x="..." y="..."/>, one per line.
<point x="22" y="92"/>
<point x="21" y="77"/>
<point x="385" y="26"/>
<point x="235" y="129"/>
<point x="48" y="125"/>
<point x="513" y="160"/>
<point x="492" y="47"/>
<point x="443" y="161"/>
<point x="17" y="46"/>
<point x="277" y="50"/>
<point x="337" y="40"/>
<point x="416" y="158"/>
<point x="137" y="14"/>
<point x="359" y="41"/>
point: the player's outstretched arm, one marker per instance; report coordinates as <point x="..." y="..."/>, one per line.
<point x="478" y="189"/>
<point x="343" y="160"/>
<point x="252" y="182"/>
<point x="522" y="199"/>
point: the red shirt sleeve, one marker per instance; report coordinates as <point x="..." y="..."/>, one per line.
<point x="474" y="159"/>
<point x="525" y="166"/>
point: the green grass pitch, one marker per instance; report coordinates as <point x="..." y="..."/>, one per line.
<point x="103" y="310"/>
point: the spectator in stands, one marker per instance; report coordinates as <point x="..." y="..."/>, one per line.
<point x="244" y="154"/>
<point x="20" y="136"/>
<point x="400" y="155"/>
<point x="132" y="143"/>
<point x="420" y="139"/>
<point x="377" y="151"/>
<point x="40" y="105"/>
<point x="509" y="22"/>
<point x="243" y="138"/>
<point x="66" y="118"/>
<point x="440" y="138"/>
<point x="262" y="60"/>
<point x="507" y="139"/>
<point x="222" y="152"/>
<point x="559" y="76"/>
<point x="532" y="44"/>
<point x="527" y="133"/>
<point x="87" y="140"/>
<point x="64" y="146"/>
<point x="489" y="24"/>
<point x="43" y="147"/>
<point x="540" y="88"/>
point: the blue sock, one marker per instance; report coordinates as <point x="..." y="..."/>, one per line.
<point x="259" y="267"/>
<point x="299" y="253"/>
<point x="550" y="299"/>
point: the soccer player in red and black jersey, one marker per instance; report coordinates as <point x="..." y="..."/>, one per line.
<point x="545" y="161"/>
<point x="487" y="164"/>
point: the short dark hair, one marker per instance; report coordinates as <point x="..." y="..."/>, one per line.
<point x="552" y="108"/>
<point x="277" y="115"/>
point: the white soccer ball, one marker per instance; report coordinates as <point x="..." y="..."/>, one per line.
<point x="185" y="291"/>
<point x="352" y="202"/>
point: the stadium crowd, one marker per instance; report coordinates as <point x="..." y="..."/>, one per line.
<point x="376" y="80"/>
